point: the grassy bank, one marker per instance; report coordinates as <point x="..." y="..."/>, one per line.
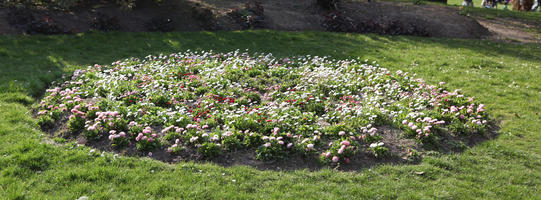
<point x="503" y="76"/>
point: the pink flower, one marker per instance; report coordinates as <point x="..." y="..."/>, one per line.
<point x="328" y="154"/>
<point x="215" y="138"/>
<point x="310" y="146"/>
<point x="481" y="108"/>
<point x="335" y="159"/>
<point x="289" y="145"/>
<point x="147" y="130"/>
<point x="345" y="142"/>
<point x="268" y="144"/>
<point x="193" y="139"/>
<point x="341" y="133"/>
<point x="405" y="122"/>
<point x="347" y="160"/>
<point x="281" y="142"/>
<point x="167" y="129"/>
<point x="228" y="133"/>
<point x="341" y="150"/>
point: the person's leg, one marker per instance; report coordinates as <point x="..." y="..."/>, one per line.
<point x="535" y="5"/>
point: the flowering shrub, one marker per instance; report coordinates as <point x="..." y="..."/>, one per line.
<point x="217" y="102"/>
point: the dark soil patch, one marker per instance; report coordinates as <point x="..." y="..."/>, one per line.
<point x="402" y="18"/>
<point x="513" y="30"/>
<point x="174" y="16"/>
<point x="195" y="15"/>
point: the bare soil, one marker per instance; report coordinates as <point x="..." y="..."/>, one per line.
<point x="287" y="15"/>
<point x="512" y="30"/>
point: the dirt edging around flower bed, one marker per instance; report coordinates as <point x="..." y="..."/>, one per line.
<point x="246" y="157"/>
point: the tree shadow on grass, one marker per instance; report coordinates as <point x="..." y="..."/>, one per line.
<point x="30" y="63"/>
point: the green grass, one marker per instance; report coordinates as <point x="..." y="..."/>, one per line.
<point x="504" y="76"/>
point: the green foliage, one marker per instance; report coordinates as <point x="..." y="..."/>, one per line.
<point x="271" y="151"/>
<point x="145" y="145"/>
<point x="76" y="124"/>
<point x="380" y="151"/>
<point x="232" y="142"/>
<point x="91" y="134"/>
<point x="45" y="121"/>
<point x="209" y="150"/>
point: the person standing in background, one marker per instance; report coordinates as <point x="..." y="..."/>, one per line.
<point x="505" y="2"/>
<point x="535" y="6"/>
<point x="467" y="3"/>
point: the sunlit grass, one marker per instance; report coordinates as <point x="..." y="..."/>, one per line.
<point x="504" y="76"/>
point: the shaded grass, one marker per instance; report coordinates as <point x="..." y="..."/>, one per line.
<point x="504" y="76"/>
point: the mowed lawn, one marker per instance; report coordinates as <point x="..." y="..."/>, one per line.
<point x="506" y="77"/>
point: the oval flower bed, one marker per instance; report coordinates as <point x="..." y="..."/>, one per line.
<point x="213" y="103"/>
